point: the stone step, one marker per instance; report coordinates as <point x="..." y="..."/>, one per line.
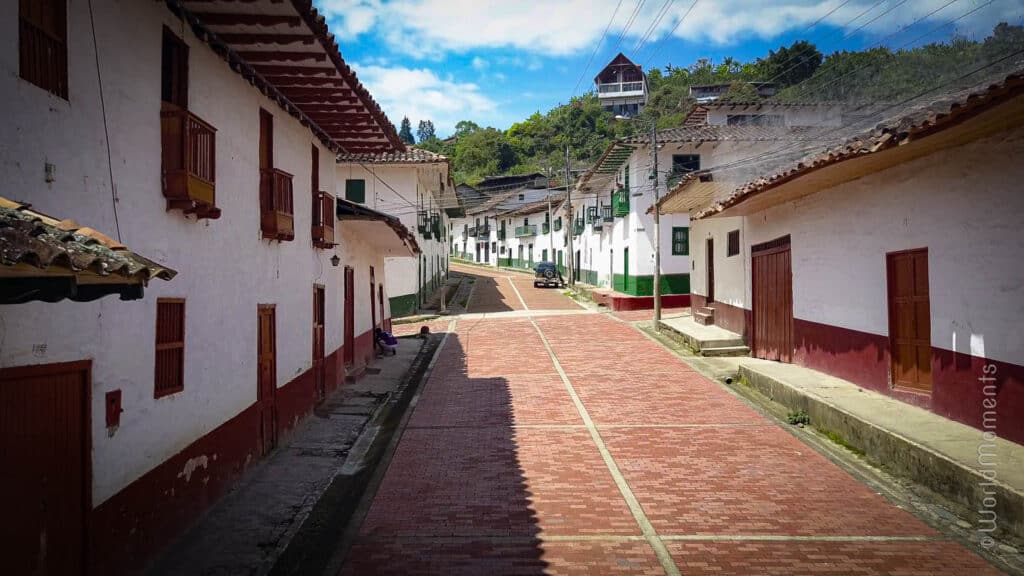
<point x="703" y="318"/>
<point x="725" y="351"/>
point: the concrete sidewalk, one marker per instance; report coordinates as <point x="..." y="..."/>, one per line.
<point x="254" y="525"/>
<point x="938" y="453"/>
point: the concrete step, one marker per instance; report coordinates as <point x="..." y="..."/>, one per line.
<point x="725" y="351"/>
<point x="704" y="318"/>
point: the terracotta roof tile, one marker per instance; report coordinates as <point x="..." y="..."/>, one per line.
<point x="408" y="156"/>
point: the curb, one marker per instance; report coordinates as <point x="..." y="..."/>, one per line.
<point x="902" y="456"/>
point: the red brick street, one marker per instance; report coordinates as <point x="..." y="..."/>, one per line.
<point x="534" y="449"/>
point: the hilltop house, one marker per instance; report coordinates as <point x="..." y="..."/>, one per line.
<point x="202" y="134"/>
<point x="890" y="259"/>
<point x="414" y="186"/>
<point x="621" y="87"/>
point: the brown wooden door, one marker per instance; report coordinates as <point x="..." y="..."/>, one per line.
<point x="380" y="299"/>
<point x="319" y="369"/>
<point x="373" y="303"/>
<point x="350" y="316"/>
<point x="44" y="468"/>
<point x="910" y="319"/>
<point x="709" y="256"/>
<point x="773" y="301"/>
<point x="266" y="386"/>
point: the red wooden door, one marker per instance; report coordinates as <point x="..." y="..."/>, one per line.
<point x="44" y="475"/>
<point x="319" y="371"/>
<point x="910" y="319"/>
<point x="266" y="385"/>
<point x="373" y="303"/>
<point x="773" y="300"/>
<point x="350" y="316"/>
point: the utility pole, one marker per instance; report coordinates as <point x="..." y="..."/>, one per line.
<point x="657" y="227"/>
<point x="572" y="219"/>
<point x="551" y="232"/>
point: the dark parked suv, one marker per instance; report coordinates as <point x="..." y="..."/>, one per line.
<point x="547" y="274"/>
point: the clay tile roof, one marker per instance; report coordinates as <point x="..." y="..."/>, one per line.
<point x="409" y="156"/>
<point x="709" y="133"/>
<point x="39" y="241"/>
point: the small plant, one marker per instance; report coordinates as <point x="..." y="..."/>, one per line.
<point x="798" y="418"/>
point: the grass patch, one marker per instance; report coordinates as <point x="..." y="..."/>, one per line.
<point x="836" y="438"/>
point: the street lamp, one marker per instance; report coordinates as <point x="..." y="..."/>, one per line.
<point x="657" y="217"/>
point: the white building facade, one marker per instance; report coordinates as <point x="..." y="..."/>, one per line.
<point x="277" y="293"/>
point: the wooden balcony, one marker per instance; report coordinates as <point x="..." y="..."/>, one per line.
<point x="323" y="220"/>
<point x="620" y="203"/>
<point x="526" y="231"/>
<point x="188" y="162"/>
<point x="277" y="210"/>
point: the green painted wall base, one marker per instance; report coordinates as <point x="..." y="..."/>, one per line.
<point x="403" y="305"/>
<point x="644" y="285"/>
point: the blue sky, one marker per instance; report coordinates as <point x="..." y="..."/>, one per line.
<point x="495" y="62"/>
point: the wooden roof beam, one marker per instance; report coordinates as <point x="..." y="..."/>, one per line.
<point x="265" y="38"/>
<point x="321" y="99"/>
<point x="315" y="91"/>
<point x="233" y="19"/>
<point x="288" y="81"/>
<point x="283" y="69"/>
<point x="280" y="55"/>
<point x="345" y="110"/>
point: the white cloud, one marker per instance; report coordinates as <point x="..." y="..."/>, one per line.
<point x="430" y="29"/>
<point x="421" y="94"/>
<point x="479" y="63"/>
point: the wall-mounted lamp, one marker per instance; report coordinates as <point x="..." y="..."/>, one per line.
<point x="335" y="260"/>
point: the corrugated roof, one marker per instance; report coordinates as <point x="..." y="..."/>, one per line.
<point x="60" y="249"/>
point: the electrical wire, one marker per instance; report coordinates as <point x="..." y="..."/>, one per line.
<point x="106" y="131"/>
<point x="597" y="47"/>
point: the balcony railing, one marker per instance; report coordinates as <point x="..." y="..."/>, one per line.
<point x="323" y="220"/>
<point x="577" y="226"/>
<point x="483" y="231"/>
<point x="620" y="203"/>
<point x="501" y="233"/>
<point x="188" y="162"/>
<point x="606" y="213"/>
<point x="524" y="231"/>
<point x="620" y="88"/>
<point x="558" y="224"/>
<point x="545" y="228"/>
<point x="277" y="211"/>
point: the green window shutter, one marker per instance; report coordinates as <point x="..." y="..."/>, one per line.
<point x="680" y="241"/>
<point x="355" y="191"/>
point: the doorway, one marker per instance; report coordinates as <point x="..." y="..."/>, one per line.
<point x="709" y="259"/>
<point x="45" y="446"/>
<point x="350" y="321"/>
<point x="266" y="383"/>
<point x="909" y="319"/>
<point x="319" y="370"/>
<point x="625" y="269"/>
<point x="772" y="287"/>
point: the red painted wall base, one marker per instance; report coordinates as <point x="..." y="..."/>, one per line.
<point x="132" y="526"/>
<point x="622" y="302"/>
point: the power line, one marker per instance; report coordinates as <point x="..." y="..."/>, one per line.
<point x="661" y="43"/>
<point x="654" y="25"/>
<point x="596" y="48"/>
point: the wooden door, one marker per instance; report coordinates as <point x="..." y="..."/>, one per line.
<point x="910" y="319"/>
<point x="44" y="475"/>
<point x="319" y="369"/>
<point x="266" y="384"/>
<point x="373" y="303"/>
<point x="350" y="316"/>
<point x="383" y="315"/>
<point x="772" y="286"/>
<point x="709" y="257"/>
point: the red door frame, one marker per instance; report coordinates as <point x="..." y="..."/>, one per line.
<point x="85" y="368"/>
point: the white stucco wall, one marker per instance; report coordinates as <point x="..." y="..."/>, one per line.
<point x="730" y="271"/>
<point x="225" y="268"/>
<point x="792" y="115"/>
<point x="963" y="204"/>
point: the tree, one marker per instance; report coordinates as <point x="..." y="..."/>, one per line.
<point x="405" y="132"/>
<point x="425" y="131"/>
<point x="463" y="127"/>
<point x="789" y="66"/>
<point x="740" y="93"/>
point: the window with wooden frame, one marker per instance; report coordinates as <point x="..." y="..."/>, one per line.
<point x="355" y="191"/>
<point x="169" y="371"/>
<point x="733" y="245"/>
<point x="43" y="44"/>
<point x="680" y="241"/>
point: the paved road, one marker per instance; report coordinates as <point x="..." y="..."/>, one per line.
<point x="575" y="445"/>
